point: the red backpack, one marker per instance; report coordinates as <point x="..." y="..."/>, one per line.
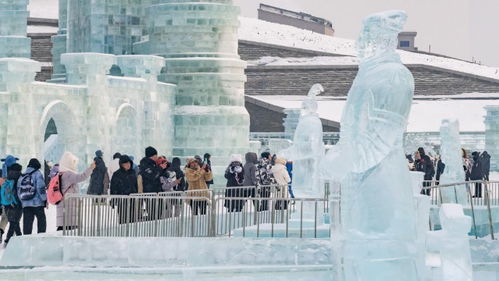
<point x="54" y="191"/>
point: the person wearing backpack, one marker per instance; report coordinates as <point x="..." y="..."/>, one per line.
<point x="70" y="179"/>
<point x="7" y="163"/>
<point x="11" y="202"/>
<point x="31" y="192"/>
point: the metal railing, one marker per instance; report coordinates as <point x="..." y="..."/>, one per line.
<point x="241" y="211"/>
<point x="481" y="202"/>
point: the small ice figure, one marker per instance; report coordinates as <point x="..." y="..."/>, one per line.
<point x="377" y="237"/>
<point x="308" y="149"/>
<point x="452" y="244"/>
<point x="451" y="155"/>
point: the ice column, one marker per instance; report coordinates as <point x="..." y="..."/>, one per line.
<point x="199" y="40"/>
<point x="291" y="121"/>
<point x="377" y="238"/>
<point x="451" y="155"/>
<point x="18" y="132"/>
<point x="91" y="69"/>
<point x="453" y="244"/>
<point x="13" y="26"/>
<point x="59" y="41"/>
<point x="492" y="135"/>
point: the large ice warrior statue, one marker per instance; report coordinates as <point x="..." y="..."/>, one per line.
<point x="376" y="237"/>
<point x="308" y="149"/>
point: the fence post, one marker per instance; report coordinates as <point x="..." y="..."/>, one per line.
<point x="491" y="221"/>
<point x="213" y="216"/>
<point x="472" y="210"/>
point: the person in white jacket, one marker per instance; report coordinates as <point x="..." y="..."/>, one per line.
<point x="283" y="179"/>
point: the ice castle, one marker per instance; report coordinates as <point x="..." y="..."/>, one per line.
<point x="127" y="74"/>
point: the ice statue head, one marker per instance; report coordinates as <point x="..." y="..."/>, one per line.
<point x="380" y="33"/>
<point x="309" y="105"/>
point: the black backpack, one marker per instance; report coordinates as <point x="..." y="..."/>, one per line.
<point x="26" y="188"/>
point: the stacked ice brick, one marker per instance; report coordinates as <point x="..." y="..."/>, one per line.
<point x="13" y="26"/>
<point x="492" y="135"/>
<point x="107" y="26"/>
<point x="291" y="121"/>
<point x="199" y="40"/>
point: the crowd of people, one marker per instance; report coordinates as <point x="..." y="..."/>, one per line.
<point x="475" y="169"/>
<point x="25" y="195"/>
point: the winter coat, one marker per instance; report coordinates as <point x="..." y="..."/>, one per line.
<point x="264" y="172"/>
<point x="234" y="174"/>
<point x="69" y="184"/>
<point x="168" y="180"/>
<point x="440" y="169"/>
<point x="149" y="174"/>
<point x="197" y="182"/>
<point x="14" y="177"/>
<point x="476" y="169"/>
<point x="99" y="180"/>
<point x="426" y="166"/>
<point x="175" y="167"/>
<point x="485" y="163"/>
<point x="249" y="168"/>
<point x="124" y="182"/>
<point x="281" y="175"/>
<point x="40" y="198"/>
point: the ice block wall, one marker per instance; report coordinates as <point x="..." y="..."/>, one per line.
<point x="199" y="40"/>
<point x="492" y="136"/>
<point x="13" y="26"/>
<point x="291" y="121"/>
<point x="105" y="26"/>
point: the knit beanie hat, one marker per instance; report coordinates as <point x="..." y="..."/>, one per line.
<point x="151" y="151"/>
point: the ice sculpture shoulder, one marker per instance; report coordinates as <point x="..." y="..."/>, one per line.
<point x="378" y="217"/>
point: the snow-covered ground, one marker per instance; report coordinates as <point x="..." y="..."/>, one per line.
<point x="283" y="35"/>
<point x="426" y="115"/>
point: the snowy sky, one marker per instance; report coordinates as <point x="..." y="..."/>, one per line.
<point x="460" y="28"/>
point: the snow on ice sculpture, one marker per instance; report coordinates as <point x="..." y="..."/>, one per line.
<point x="376" y="239"/>
<point x="452" y="244"/>
<point x="308" y="149"/>
<point x="451" y="155"/>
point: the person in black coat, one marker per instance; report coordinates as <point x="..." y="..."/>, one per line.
<point x="149" y="172"/>
<point x="235" y="178"/>
<point x="485" y="162"/>
<point x="179" y="174"/>
<point x="476" y="173"/>
<point x="124" y="182"/>
<point x="99" y="180"/>
<point x="424" y="164"/>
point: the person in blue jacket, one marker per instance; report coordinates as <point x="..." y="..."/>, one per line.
<point x="31" y="192"/>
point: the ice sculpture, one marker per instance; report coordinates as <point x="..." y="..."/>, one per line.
<point x="492" y="135"/>
<point x="308" y="149"/>
<point x="13" y="25"/>
<point x="451" y="155"/>
<point x="377" y="234"/>
<point x="452" y="244"/>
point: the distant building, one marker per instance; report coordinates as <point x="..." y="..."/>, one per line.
<point x="296" y="19"/>
<point x="407" y="41"/>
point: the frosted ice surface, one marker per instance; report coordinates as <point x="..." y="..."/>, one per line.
<point x="453" y="244"/>
<point x="452" y="157"/>
<point x="378" y="215"/>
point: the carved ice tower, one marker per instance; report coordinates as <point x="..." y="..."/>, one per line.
<point x="199" y="40"/>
